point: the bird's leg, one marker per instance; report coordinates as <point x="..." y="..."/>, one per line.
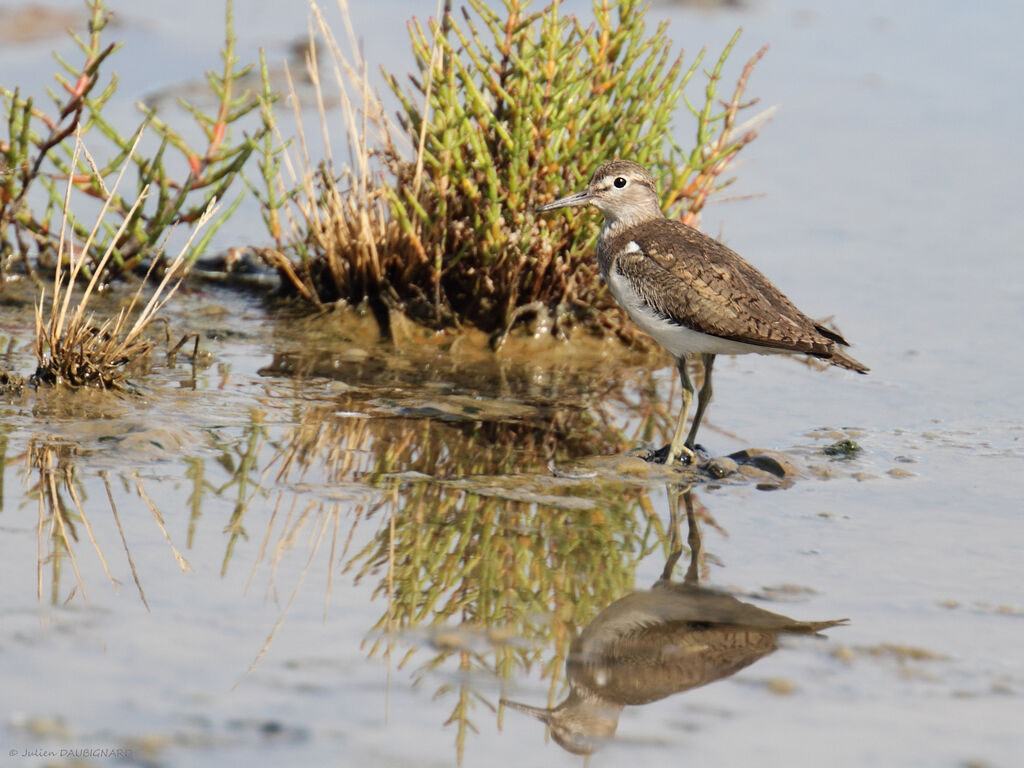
<point x="678" y="447"/>
<point x="703" y="398"/>
<point x="675" y="544"/>
<point x="693" y="538"/>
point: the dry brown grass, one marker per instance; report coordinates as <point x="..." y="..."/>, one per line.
<point x="72" y="346"/>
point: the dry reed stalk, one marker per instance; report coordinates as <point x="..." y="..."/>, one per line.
<point x="184" y="564"/>
<point x="316" y="540"/>
<point x="124" y="541"/>
<point x="49" y="459"/>
<point x="70" y="347"/>
<point x="345" y="232"/>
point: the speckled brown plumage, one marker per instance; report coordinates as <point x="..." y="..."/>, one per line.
<point x="697" y="282"/>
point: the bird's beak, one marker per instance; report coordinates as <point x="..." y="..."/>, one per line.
<point x="579" y="198"/>
<point x="544" y="715"/>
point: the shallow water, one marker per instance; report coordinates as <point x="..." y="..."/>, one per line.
<point x="326" y="505"/>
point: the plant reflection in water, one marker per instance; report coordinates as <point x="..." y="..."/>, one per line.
<point x="472" y="543"/>
<point x="482" y="559"/>
<point x="654" y="643"/>
<point x="59" y="491"/>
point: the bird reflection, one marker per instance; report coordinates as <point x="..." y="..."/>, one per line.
<point x="653" y="643"/>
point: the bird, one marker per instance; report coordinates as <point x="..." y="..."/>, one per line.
<point x="689" y="292"/>
<point x="652" y="644"/>
<point x="655" y="643"/>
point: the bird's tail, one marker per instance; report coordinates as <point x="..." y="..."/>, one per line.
<point x="843" y="360"/>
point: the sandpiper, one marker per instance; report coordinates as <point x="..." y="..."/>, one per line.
<point x="689" y="292"/>
<point x="654" y="643"/>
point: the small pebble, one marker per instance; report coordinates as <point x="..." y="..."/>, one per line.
<point x="772" y="462"/>
<point x="824" y="472"/>
<point x="900" y="473"/>
<point x="756" y="474"/>
<point x="844" y="654"/>
<point x="780" y="686"/>
<point x="722" y="467"/>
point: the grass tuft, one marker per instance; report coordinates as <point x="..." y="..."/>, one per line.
<point x="71" y="346"/>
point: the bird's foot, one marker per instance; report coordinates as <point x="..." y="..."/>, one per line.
<point x="687" y="454"/>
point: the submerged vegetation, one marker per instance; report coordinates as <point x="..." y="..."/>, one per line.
<point x="507" y="111"/>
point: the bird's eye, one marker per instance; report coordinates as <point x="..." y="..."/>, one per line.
<point x="619" y="182"/>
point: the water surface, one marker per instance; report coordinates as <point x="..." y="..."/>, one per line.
<point x="358" y="552"/>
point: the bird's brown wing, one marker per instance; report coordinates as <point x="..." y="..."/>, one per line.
<point x="700" y="283"/>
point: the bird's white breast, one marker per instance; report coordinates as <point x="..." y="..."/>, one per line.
<point x="677" y="339"/>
